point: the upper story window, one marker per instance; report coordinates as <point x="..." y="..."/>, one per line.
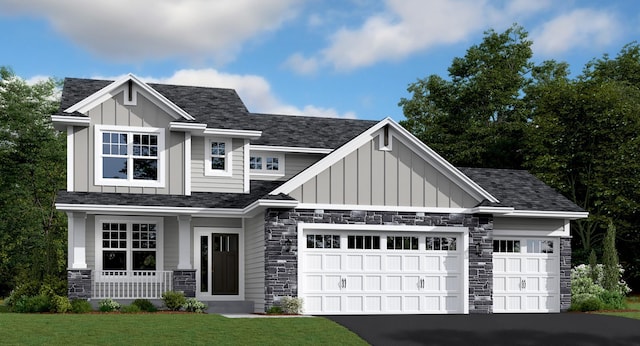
<point x="127" y="156"/>
<point x="266" y="163"/>
<point x="217" y="156"/>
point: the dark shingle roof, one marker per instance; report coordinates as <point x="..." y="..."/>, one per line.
<point x="519" y="189"/>
<point x="259" y="190"/>
<point x="223" y="109"/>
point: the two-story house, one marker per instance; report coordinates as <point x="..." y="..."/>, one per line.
<point x="182" y="188"/>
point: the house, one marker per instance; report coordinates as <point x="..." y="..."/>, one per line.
<point x="182" y="188"/>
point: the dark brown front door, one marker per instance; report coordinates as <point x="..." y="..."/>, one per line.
<point x="225" y="264"/>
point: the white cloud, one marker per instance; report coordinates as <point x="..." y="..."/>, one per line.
<point x="579" y="28"/>
<point x="151" y="29"/>
<point x="301" y="65"/>
<point x="409" y="26"/>
<point x="255" y="91"/>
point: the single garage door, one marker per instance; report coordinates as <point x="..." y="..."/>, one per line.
<point x="346" y="272"/>
<point x="526" y="275"/>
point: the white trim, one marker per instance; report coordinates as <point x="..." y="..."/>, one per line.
<point x="463" y="232"/>
<point x="196" y="128"/>
<point x="187" y="163"/>
<point x="548" y="214"/>
<point x="228" y="157"/>
<point x="291" y="149"/>
<point x="70" y="154"/>
<point x="389" y="146"/>
<point x="197" y="233"/>
<point x="530" y="233"/>
<point x="249" y="134"/>
<point x="415" y="144"/>
<point x="76" y="238"/>
<point x="97" y="152"/>
<point x="245" y="172"/>
<point x="69" y="120"/>
<point x="321" y="206"/>
<point x="184" y="238"/>
<point x="114" y="88"/>
<point x="158" y="221"/>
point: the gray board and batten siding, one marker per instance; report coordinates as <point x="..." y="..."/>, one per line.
<point x="203" y="183"/>
<point x="370" y="176"/>
<point x="144" y="114"/>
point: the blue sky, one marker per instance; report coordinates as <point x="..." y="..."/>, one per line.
<point x="345" y="58"/>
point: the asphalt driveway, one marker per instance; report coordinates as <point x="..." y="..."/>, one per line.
<point x="498" y="329"/>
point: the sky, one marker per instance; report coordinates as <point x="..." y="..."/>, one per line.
<point x="336" y="58"/>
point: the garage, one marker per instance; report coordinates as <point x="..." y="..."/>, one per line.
<point x="355" y="271"/>
<point x="526" y="275"/>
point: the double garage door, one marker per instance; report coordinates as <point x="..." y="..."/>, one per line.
<point x="356" y="272"/>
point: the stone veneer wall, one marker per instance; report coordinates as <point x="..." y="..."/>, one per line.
<point x="79" y="283"/>
<point x="480" y="265"/>
<point x="565" y="274"/>
<point x="281" y="246"/>
<point x="184" y="280"/>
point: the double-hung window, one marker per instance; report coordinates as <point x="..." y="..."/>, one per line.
<point x="128" y="156"/>
<point x="217" y="156"/>
<point x="128" y="244"/>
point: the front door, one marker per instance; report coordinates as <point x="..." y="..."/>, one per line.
<point x="218" y="264"/>
<point x="224" y="270"/>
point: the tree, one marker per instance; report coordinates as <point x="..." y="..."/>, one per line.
<point x="32" y="232"/>
<point x="611" y="273"/>
<point x="477" y="118"/>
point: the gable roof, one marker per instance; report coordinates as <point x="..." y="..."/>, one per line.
<point x="222" y="108"/>
<point x="520" y="190"/>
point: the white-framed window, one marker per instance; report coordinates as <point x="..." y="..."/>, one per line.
<point x="266" y="163"/>
<point x="129" y="156"/>
<point x="441" y="244"/>
<point x="128" y="244"/>
<point x="217" y="156"/>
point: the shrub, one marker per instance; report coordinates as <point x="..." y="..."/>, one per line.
<point x="39" y="303"/>
<point x="108" y="305"/>
<point x="60" y="304"/>
<point x="581" y="281"/>
<point x="194" y="305"/>
<point x="173" y="300"/>
<point x="274" y="310"/>
<point x="80" y="306"/>
<point x="130" y="309"/>
<point x="145" y="305"/>
<point x="291" y="305"/>
<point x="612" y="300"/>
<point x="586" y="303"/>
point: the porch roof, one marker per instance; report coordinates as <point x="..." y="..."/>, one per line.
<point x="214" y="200"/>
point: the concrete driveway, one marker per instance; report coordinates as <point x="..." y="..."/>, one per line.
<point x="498" y="329"/>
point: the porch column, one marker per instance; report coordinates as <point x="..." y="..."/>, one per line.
<point x="184" y="246"/>
<point x="77" y="223"/>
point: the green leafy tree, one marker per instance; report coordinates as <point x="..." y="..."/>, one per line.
<point x="593" y="265"/>
<point x="477" y="117"/>
<point x="32" y="232"/>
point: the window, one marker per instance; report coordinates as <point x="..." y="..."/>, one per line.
<point x="539" y="246"/>
<point x="363" y="242"/>
<point x="506" y="246"/>
<point x="217" y="157"/>
<point x="128" y="245"/>
<point x="266" y="163"/>
<point x="441" y="244"/>
<point x="129" y="156"/>
<point x="323" y="241"/>
<point x="402" y="243"/>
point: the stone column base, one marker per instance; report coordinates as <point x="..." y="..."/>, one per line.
<point x="79" y="284"/>
<point x="184" y="280"/>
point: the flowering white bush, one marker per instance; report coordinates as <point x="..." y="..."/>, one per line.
<point x="108" y="305"/>
<point x="291" y="305"/>
<point x="587" y="294"/>
<point x="194" y="305"/>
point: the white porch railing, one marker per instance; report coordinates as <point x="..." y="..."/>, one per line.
<point x="123" y="284"/>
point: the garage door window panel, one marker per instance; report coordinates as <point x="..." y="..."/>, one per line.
<point x="506" y="246"/>
<point x="402" y="243"/>
<point x="441" y="244"/>
<point x="363" y="242"/>
<point x="323" y="241"/>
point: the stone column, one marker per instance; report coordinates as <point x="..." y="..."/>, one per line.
<point x="185" y="281"/>
<point x="79" y="283"/>
<point x="565" y="274"/>
<point x="480" y="264"/>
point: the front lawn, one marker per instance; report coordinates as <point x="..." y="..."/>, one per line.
<point x="633" y="309"/>
<point x="139" y="329"/>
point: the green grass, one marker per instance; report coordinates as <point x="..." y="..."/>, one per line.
<point x="170" y="329"/>
<point x="633" y="305"/>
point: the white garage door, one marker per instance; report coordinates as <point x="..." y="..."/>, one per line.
<point x="346" y="272"/>
<point x="526" y="275"/>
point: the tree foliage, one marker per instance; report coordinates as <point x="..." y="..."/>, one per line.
<point x="577" y="134"/>
<point x="32" y="232"/>
<point x="611" y="273"/>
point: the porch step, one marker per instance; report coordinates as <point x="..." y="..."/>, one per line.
<point x="230" y="307"/>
